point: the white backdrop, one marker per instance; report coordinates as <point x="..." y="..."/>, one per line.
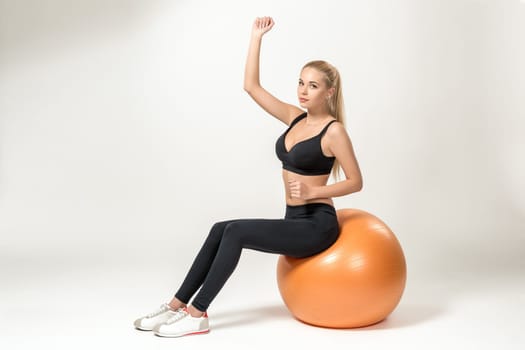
<point x="124" y="125"/>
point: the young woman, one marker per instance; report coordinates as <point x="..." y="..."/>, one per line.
<point x="314" y="143"/>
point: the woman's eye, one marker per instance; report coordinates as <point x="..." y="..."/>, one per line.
<point x="313" y="86"/>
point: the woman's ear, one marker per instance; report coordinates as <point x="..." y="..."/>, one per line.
<point x="331" y="92"/>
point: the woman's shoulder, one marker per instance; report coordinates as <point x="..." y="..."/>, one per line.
<point x="336" y="129"/>
<point x="296" y="119"/>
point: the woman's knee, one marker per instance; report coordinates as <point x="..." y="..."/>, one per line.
<point x="233" y="231"/>
<point x="217" y="230"/>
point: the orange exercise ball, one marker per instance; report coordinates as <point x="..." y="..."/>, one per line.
<point x="356" y="282"/>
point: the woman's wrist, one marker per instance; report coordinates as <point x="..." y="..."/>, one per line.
<point x="257" y="36"/>
<point x="314" y="192"/>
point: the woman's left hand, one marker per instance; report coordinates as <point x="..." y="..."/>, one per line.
<point x="300" y="190"/>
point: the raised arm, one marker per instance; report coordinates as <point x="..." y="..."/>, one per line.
<point x="283" y="111"/>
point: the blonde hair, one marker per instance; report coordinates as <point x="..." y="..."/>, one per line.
<point x="336" y="104"/>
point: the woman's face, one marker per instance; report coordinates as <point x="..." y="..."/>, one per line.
<point x="312" y="90"/>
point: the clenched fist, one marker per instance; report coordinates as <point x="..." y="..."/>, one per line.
<point x="262" y="25"/>
<point x="299" y="190"/>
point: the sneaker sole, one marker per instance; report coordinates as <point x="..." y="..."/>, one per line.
<point x="181" y="334"/>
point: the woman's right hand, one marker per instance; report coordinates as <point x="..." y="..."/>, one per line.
<point x="262" y="25"/>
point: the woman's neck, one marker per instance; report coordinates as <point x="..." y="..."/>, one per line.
<point x="317" y="117"/>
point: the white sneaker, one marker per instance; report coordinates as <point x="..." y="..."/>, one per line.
<point x="164" y="313"/>
<point x="183" y="324"/>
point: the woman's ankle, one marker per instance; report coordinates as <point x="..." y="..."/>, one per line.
<point x="175" y="304"/>
<point x="194" y="312"/>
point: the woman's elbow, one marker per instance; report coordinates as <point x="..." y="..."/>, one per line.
<point x="358" y="185"/>
<point x="247" y="89"/>
<point x="252" y="86"/>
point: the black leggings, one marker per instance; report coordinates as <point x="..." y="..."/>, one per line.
<point x="305" y="230"/>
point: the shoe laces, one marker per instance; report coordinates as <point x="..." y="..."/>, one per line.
<point x="163" y="308"/>
<point x="179" y="315"/>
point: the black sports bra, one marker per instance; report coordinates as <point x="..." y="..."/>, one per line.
<point x="305" y="157"/>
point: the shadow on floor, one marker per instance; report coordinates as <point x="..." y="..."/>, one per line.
<point x="408" y="315"/>
<point x="403" y="316"/>
<point x="240" y="317"/>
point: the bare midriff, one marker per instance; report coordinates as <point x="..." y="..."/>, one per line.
<point x="312" y="180"/>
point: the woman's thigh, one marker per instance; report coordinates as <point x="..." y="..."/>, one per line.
<point x="293" y="237"/>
